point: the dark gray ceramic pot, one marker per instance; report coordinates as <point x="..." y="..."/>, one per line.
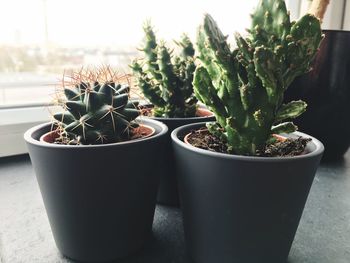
<point x="326" y="89"/>
<point x="239" y="208"/>
<point x="168" y="187"/>
<point x="100" y="199"/>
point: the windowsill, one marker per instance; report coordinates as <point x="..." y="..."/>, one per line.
<point x="14" y="122"/>
<point x="25" y="235"/>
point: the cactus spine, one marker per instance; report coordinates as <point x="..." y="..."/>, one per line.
<point x="166" y="79"/>
<point x="245" y="87"/>
<point x="97" y="109"/>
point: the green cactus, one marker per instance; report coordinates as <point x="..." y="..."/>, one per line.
<point x="166" y="79"/>
<point x="97" y="109"/>
<point x="245" y="87"/>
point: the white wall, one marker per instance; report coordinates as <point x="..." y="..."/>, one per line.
<point x="346" y="25"/>
<point x="334" y="14"/>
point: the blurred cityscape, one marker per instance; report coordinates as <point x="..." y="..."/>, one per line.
<point x="41" y="69"/>
<point x="56" y="59"/>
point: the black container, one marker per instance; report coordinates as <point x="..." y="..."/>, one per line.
<point x="326" y="89"/>
<point x="100" y="199"/>
<point x="168" y="187"/>
<point x="241" y="209"/>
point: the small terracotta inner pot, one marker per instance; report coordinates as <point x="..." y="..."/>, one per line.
<point x="202" y="112"/>
<point x="49" y="137"/>
<point x="143" y="131"/>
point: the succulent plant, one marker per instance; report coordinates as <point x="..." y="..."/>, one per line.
<point x="166" y="79"/>
<point x="97" y="109"/>
<point x="244" y="87"/>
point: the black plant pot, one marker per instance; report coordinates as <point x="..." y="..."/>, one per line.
<point x="100" y="199"/>
<point x="168" y="187"/>
<point x="326" y="89"/>
<point x="239" y="208"/>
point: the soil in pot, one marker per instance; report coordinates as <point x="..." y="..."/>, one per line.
<point x="279" y="147"/>
<point x="140" y="132"/>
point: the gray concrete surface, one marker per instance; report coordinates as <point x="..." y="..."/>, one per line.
<point x="25" y="236"/>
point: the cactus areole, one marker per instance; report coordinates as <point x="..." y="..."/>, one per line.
<point x="166" y="79"/>
<point x="244" y="87"/>
<point x="97" y="109"/>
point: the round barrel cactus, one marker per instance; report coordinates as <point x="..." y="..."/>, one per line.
<point x="97" y="109"/>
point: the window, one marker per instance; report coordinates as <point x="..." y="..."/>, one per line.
<point x="41" y="38"/>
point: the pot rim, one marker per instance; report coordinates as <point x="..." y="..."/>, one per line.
<point x="319" y="148"/>
<point x="335" y="31"/>
<point x="28" y="137"/>
<point x="188" y="118"/>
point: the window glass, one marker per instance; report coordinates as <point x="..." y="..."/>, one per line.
<point x="41" y="38"/>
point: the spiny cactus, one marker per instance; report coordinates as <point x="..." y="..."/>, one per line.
<point x="166" y="79"/>
<point x="97" y="109"/>
<point x="245" y="87"/>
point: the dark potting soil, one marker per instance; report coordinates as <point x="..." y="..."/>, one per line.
<point x="136" y="133"/>
<point x="203" y="139"/>
<point x="280" y="147"/>
<point x="286" y="148"/>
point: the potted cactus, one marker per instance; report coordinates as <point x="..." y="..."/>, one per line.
<point x="244" y="179"/>
<point x="166" y="82"/>
<point x="99" y="203"/>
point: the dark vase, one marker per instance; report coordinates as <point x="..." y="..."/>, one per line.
<point x="241" y="208"/>
<point x="100" y="199"/>
<point x="326" y="89"/>
<point x="168" y="187"/>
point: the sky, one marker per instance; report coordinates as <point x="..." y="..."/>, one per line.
<point x="113" y="23"/>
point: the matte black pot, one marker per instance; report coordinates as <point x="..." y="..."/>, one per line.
<point x="168" y="187"/>
<point x="241" y="209"/>
<point x="326" y="89"/>
<point x="100" y="199"/>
